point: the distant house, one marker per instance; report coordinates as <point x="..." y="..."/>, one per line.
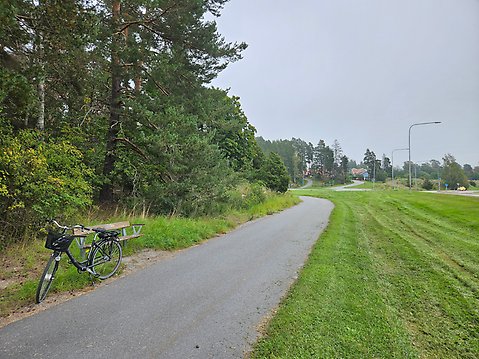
<point x="359" y="173"/>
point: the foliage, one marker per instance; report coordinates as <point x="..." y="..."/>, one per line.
<point x="185" y="173"/>
<point x="15" y="97"/>
<point x="222" y="117"/>
<point x="247" y="195"/>
<point x="38" y="179"/>
<point x="453" y="174"/>
<point x="470" y="172"/>
<point x="427" y="184"/>
<point x="386" y="166"/>
<point x="295" y="154"/>
<point x="118" y="91"/>
<point x="375" y="170"/>
<point x="323" y="160"/>
<point x="274" y="174"/>
<point x="303" y="159"/>
<point x="171" y="51"/>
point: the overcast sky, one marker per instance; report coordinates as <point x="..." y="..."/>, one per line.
<point x="361" y="72"/>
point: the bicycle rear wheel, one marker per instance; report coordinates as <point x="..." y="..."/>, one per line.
<point x="47" y="278"/>
<point x="105" y="258"/>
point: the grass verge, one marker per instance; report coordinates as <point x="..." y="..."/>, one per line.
<point x="395" y="275"/>
<point x="23" y="263"/>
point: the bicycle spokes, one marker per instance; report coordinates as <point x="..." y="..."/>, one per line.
<point x="105" y="258"/>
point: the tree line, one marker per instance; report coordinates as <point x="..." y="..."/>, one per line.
<point x="449" y="171"/>
<point x="109" y="101"/>
<point x="329" y="164"/>
<point x="326" y="163"/>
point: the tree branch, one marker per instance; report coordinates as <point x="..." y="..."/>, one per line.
<point x="161" y="88"/>
<point x="147" y="21"/>
<point x="132" y="145"/>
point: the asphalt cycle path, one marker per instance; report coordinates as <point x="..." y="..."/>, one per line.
<point x="350" y="187"/>
<point x="309" y="183"/>
<point x="207" y="301"/>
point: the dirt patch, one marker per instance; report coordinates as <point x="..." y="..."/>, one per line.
<point x="4" y="283"/>
<point x="130" y="265"/>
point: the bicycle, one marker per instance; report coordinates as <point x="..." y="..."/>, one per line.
<point x="102" y="262"/>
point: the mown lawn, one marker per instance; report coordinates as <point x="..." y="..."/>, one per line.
<point x="396" y="275"/>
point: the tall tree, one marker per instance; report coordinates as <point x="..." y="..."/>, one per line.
<point x="453" y="174"/>
<point x="43" y="44"/>
<point x="344" y="169"/>
<point x="323" y="162"/>
<point x="386" y="165"/>
<point x="222" y="117"/>
<point x="106" y="193"/>
<point x="275" y="174"/>
<point x="468" y="170"/>
<point x="154" y="38"/>
<point x="370" y="162"/>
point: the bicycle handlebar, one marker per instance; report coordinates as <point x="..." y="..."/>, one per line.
<point x="59" y="225"/>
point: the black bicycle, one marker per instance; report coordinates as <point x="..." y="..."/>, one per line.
<point x="102" y="262"/>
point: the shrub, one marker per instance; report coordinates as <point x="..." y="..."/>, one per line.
<point x="252" y="194"/>
<point x="274" y="174"/>
<point x="38" y="179"/>
<point x="427" y="184"/>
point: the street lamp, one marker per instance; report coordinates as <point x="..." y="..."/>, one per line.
<point x="392" y="161"/>
<point x="416" y="124"/>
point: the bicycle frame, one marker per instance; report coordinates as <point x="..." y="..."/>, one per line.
<point x="83" y="265"/>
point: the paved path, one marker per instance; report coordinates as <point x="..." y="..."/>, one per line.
<point x="350" y="187"/>
<point x="204" y="302"/>
<point x="457" y="193"/>
<point x="309" y="183"/>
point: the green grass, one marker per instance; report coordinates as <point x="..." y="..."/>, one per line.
<point x="395" y="275"/>
<point x="374" y="185"/>
<point x="23" y="263"/>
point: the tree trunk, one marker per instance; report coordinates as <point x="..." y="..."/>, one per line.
<point x="138" y="79"/>
<point x="41" y="81"/>
<point x="106" y="193"/>
<point x="41" y="102"/>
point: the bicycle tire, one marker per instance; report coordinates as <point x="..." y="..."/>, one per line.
<point x="47" y="278"/>
<point x="105" y="258"/>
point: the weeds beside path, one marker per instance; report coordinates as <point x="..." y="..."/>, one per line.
<point x="395" y="275"/>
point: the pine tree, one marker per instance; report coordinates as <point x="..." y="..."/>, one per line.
<point x="173" y="49"/>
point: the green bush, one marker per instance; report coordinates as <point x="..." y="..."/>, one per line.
<point x="247" y="195"/>
<point x="38" y="179"/>
<point x="274" y="174"/>
<point x="255" y="195"/>
<point x="427" y="185"/>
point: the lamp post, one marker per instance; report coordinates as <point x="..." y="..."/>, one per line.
<point x="392" y="162"/>
<point x="409" y="143"/>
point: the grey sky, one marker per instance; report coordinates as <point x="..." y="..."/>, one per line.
<point x="361" y="72"/>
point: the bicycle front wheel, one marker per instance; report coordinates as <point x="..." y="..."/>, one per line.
<point x="105" y="259"/>
<point x="47" y="278"/>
